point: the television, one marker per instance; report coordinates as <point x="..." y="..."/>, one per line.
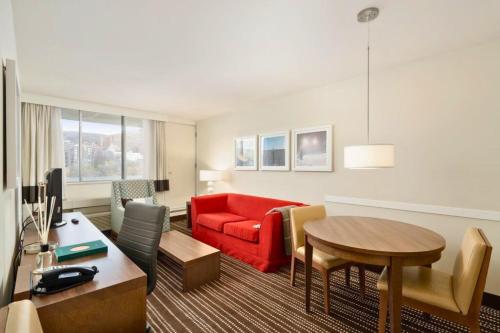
<point x="54" y="189"/>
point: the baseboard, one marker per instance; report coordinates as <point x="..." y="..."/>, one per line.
<point x="489" y="300"/>
<point x="178" y="218"/>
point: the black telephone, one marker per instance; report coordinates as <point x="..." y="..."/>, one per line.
<point x="59" y="278"/>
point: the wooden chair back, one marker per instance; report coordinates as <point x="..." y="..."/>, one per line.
<point x="301" y="215"/>
<point x="477" y="296"/>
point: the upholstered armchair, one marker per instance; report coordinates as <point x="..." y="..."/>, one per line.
<point x="132" y="189"/>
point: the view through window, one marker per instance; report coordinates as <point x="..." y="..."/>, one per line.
<point x="135" y="145"/>
<point x="94" y="142"/>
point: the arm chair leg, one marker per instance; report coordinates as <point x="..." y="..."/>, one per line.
<point x="292" y="271"/>
<point x="348" y="275"/>
<point x="382" y="311"/>
<point x="325" y="275"/>
<point x="362" y="282"/>
<point x="474" y="327"/>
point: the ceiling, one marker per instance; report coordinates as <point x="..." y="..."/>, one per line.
<point x="198" y="58"/>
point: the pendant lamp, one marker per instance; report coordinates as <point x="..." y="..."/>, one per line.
<point x="368" y="156"/>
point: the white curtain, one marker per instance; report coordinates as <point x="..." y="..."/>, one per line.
<point x="43" y="145"/>
<point x="160" y="147"/>
<point x="156" y="154"/>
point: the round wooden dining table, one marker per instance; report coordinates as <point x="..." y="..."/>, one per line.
<point x="373" y="241"/>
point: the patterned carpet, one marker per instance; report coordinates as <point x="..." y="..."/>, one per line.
<point x="246" y="300"/>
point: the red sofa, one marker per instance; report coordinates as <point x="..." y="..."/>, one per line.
<point x="227" y="221"/>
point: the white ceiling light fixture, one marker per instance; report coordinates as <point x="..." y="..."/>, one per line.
<point x="368" y="156"/>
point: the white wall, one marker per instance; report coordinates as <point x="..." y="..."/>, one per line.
<point x="7" y="203"/>
<point x="443" y="115"/>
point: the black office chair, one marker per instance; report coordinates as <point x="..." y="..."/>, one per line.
<point x="140" y="235"/>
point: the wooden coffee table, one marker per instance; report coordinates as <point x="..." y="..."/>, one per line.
<point x="200" y="262"/>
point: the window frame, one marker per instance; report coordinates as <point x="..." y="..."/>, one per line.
<point x="123" y="174"/>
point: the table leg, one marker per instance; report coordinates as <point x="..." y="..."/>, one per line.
<point x="308" y="264"/>
<point x="395" y="293"/>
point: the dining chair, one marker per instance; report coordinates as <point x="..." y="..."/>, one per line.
<point x="323" y="262"/>
<point x="455" y="297"/>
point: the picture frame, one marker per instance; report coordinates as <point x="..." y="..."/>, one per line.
<point x="313" y="149"/>
<point x="245" y="153"/>
<point x="274" y="151"/>
<point x="12" y="127"/>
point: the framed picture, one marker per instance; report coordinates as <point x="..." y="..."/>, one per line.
<point x="245" y="153"/>
<point x="274" y="151"/>
<point x="312" y="149"/>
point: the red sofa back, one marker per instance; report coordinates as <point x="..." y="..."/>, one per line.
<point x="253" y="207"/>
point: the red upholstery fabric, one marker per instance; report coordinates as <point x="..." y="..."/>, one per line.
<point x="216" y="221"/>
<point x="262" y="248"/>
<point x="245" y="230"/>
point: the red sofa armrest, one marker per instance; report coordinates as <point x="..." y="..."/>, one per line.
<point x="271" y="237"/>
<point x="207" y="204"/>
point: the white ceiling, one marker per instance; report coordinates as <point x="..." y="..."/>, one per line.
<point x="198" y="58"/>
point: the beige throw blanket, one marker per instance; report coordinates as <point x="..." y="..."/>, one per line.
<point x="287" y="229"/>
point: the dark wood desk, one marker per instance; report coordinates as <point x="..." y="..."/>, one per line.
<point x="115" y="301"/>
<point x="377" y="242"/>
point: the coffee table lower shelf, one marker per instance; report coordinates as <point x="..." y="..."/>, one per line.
<point x="200" y="262"/>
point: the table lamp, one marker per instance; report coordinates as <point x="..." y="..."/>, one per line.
<point x="210" y="176"/>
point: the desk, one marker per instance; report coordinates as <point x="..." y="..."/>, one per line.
<point x="377" y="242"/>
<point x="115" y="301"/>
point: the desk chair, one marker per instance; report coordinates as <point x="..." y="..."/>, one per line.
<point x="454" y="297"/>
<point x="323" y="262"/>
<point x="20" y="317"/>
<point x="140" y="235"/>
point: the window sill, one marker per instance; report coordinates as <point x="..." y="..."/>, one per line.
<point x="90" y="182"/>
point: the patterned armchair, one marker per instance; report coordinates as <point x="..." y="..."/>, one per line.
<point x="132" y="189"/>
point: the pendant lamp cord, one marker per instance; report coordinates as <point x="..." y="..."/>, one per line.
<point x="368" y="88"/>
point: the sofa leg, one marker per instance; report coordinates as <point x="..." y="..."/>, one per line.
<point x="292" y="271"/>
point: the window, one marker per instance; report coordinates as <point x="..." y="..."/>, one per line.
<point x="101" y="152"/>
<point x="135" y="143"/>
<point x="71" y="133"/>
<point x="94" y="142"/>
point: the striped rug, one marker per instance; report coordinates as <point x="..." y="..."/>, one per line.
<point x="246" y="300"/>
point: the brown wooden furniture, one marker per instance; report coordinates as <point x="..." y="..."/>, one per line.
<point x="454" y="297"/>
<point x="20" y="317"/>
<point x="188" y="214"/>
<point x="115" y="301"/>
<point x="375" y="242"/>
<point x="200" y="262"/>
<point x="323" y="262"/>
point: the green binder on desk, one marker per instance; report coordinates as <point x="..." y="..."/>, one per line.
<point x="80" y="250"/>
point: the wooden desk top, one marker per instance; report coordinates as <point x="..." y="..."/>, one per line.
<point x="184" y="249"/>
<point x="375" y="236"/>
<point x="116" y="270"/>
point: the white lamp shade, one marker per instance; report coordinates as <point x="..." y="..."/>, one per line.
<point x="369" y="156"/>
<point x="210" y="175"/>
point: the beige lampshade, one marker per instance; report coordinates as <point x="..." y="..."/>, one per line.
<point x="369" y="156"/>
<point x="210" y="175"/>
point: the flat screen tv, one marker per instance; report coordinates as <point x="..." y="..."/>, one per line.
<point x="54" y="189"/>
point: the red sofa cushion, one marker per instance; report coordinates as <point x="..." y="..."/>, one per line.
<point x="243" y="230"/>
<point x="216" y="221"/>
<point x="254" y="208"/>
